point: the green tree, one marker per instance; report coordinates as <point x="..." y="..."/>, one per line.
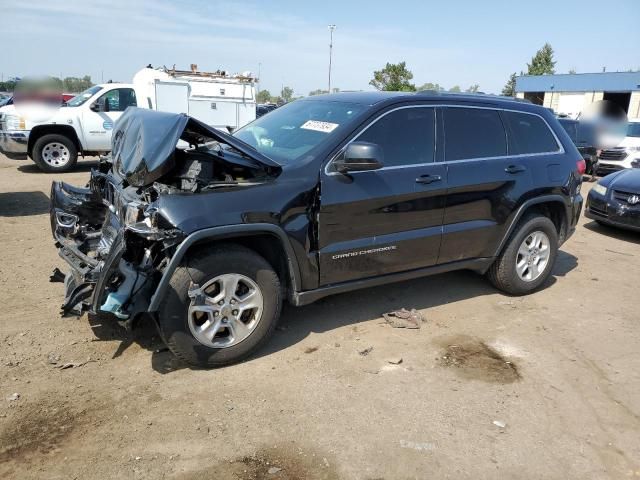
<point x="75" y="84"/>
<point x="263" y="96"/>
<point x="286" y="94"/>
<point x="431" y="86"/>
<point x="318" y="91"/>
<point x="455" y="89"/>
<point x="8" y="85"/>
<point x="473" y="88"/>
<point x="572" y="70"/>
<point x="393" y="77"/>
<point x="542" y="62"/>
<point x="509" y="90"/>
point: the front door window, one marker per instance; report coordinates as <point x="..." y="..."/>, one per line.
<point x="117" y="100"/>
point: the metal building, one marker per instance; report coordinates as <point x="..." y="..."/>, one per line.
<point x="570" y="94"/>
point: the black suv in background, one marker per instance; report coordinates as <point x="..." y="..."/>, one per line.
<point x="323" y="195"/>
<point x="583" y="136"/>
<point x="265" y="108"/>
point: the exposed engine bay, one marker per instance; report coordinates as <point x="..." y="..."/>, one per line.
<point x="207" y="168"/>
<point x="113" y="234"/>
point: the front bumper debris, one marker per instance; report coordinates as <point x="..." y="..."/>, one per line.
<point x="104" y="274"/>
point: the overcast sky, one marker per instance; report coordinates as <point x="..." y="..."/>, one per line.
<point x="446" y="42"/>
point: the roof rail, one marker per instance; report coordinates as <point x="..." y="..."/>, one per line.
<point x="479" y="94"/>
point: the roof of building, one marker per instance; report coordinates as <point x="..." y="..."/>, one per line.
<point x="580" y="82"/>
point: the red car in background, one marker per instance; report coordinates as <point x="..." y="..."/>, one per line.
<point x="62" y="98"/>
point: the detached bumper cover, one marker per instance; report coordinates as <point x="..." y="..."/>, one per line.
<point x="111" y="260"/>
<point x="70" y="209"/>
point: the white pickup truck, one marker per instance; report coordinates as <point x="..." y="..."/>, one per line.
<point x="84" y="124"/>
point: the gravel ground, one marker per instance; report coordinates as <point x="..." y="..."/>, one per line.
<point x="543" y="386"/>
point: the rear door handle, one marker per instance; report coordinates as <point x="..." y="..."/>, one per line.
<point x="426" y="179"/>
<point x="515" y="169"/>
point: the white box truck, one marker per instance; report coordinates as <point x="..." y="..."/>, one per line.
<point x="84" y="124"/>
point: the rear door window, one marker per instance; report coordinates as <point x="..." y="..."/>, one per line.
<point x="407" y="136"/>
<point x="529" y="134"/>
<point x="473" y="133"/>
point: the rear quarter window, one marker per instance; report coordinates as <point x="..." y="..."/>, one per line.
<point x="529" y="134"/>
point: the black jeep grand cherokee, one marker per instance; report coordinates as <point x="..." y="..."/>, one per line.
<point x="208" y="233"/>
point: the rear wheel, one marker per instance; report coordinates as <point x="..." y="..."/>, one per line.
<point x="220" y="307"/>
<point x="527" y="260"/>
<point x="55" y="153"/>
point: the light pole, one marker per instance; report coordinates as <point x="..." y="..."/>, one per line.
<point x="259" y="68"/>
<point x="331" y="29"/>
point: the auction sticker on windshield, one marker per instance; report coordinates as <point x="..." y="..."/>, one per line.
<point x="319" y="126"/>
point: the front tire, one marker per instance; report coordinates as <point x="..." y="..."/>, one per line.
<point x="55" y="153"/>
<point x="234" y="311"/>
<point x="527" y="259"/>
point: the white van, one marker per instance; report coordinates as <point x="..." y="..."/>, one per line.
<point x="84" y="124"/>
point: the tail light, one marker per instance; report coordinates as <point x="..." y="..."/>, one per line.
<point x="581" y="165"/>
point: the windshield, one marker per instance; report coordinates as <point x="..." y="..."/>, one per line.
<point x="633" y="130"/>
<point x="288" y="133"/>
<point x="84" y="96"/>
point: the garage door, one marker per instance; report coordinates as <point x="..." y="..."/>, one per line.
<point x="570" y="104"/>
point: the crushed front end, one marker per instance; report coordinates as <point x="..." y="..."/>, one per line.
<point x="113" y="234"/>
<point x="108" y="235"/>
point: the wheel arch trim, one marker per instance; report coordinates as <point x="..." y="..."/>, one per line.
<point x="41" y="130"/>
<point x="521" y="211"/>
<point x="221" y="233"/>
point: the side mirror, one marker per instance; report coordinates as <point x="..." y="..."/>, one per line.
<point x="360" y="157"/>
<point x="95" y="106"/>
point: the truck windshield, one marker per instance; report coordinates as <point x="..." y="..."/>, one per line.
<point x="633" y="130"/>
<point x="288" y="133"/>
<point x="84" y="96"/>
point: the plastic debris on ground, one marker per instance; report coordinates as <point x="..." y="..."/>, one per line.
<point x="404" y="318"/>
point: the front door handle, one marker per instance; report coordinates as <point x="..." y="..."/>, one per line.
<point x="515" y="169"/>
<point x="426" y="179"/>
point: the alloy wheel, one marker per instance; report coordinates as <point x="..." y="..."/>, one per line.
<point x="225" y="310"/>
<point x="533" y="256"/>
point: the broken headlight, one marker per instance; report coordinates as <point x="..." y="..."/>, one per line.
<point x="148" y="222"/>
<point x="133" y="213"/>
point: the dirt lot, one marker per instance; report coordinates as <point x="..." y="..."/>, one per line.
<point x="544" y="386"/>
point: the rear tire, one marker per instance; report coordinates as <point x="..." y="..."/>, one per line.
<point x="181" y="319"/>
<point x="524" y="257"/>
<point x="54" y="153"/>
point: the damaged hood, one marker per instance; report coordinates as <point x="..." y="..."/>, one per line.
<point x="144" y="142"/>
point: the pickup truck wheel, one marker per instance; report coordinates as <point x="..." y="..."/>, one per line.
<point x="220" y="307"/>
<point x="55" y="153"/>
<point x="528" y="258"/>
